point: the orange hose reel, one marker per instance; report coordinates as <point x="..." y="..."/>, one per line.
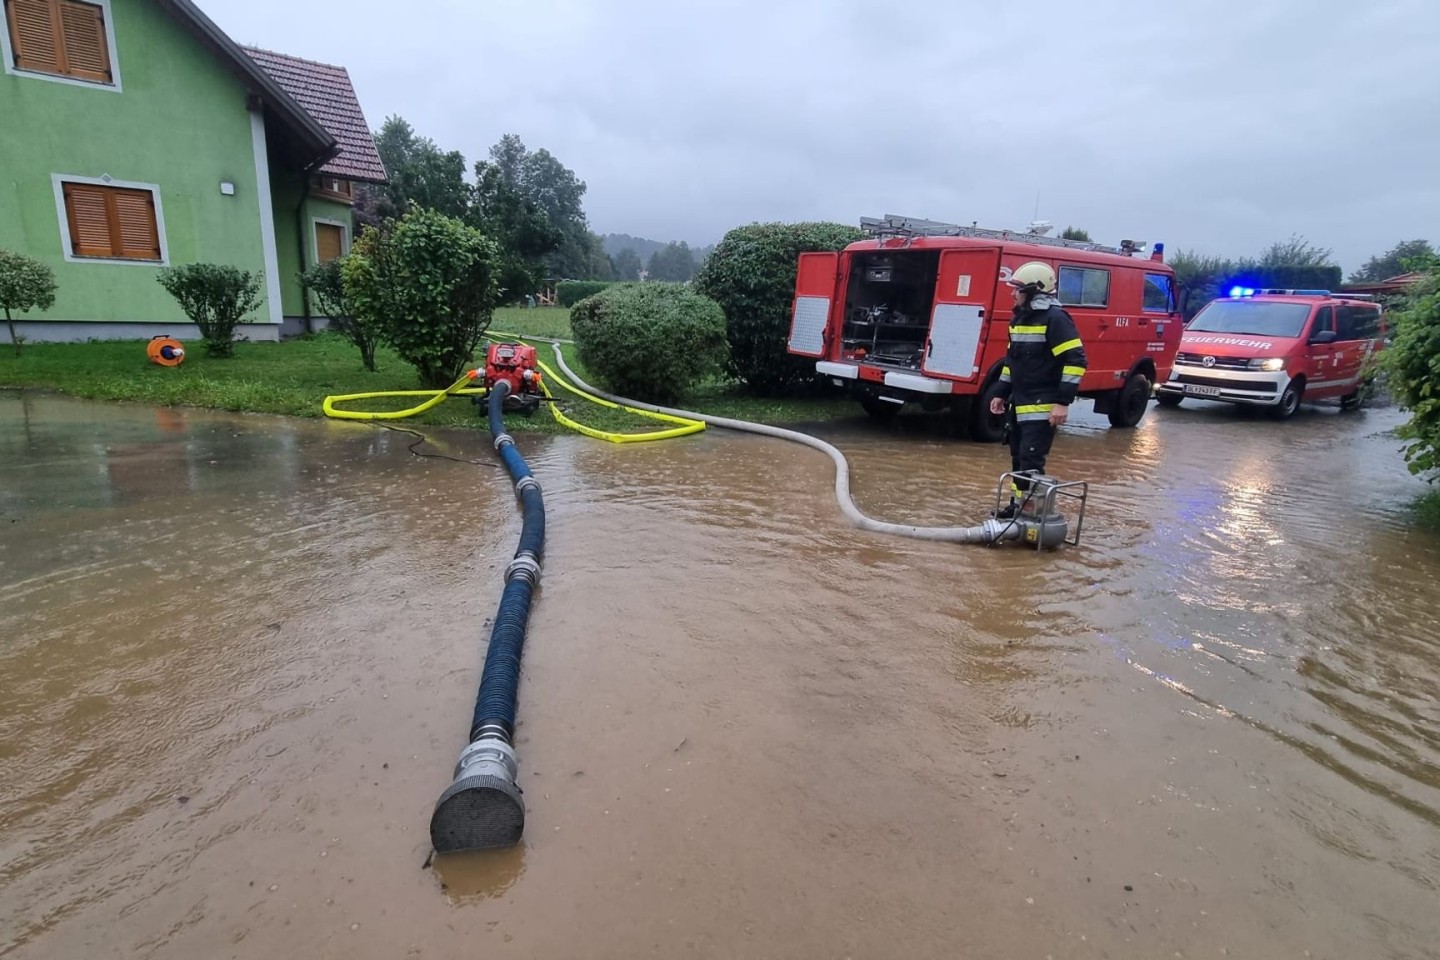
<point x="166" y="351"/>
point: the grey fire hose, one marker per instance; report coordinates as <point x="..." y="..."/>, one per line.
<point x="991" y="531"/>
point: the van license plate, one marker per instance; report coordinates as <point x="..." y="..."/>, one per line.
<point x="1194" y="391"/>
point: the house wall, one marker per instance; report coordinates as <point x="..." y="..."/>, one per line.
<point x="288" y="193"/>
<point x="177" y="120"/>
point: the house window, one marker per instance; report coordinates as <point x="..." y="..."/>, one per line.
<point x="108" y="221"/>
<point x="331" y="240"/>
<point x="334" y="188"/>
<point x="1082" y="287"/>
<point x="62" y="38"/>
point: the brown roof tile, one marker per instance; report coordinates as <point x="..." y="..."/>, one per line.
<point x="326" y="94"/>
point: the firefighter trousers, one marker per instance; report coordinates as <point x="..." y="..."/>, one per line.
<point x="1029" y="446"/>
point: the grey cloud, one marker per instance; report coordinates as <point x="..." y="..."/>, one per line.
<point x="1217" y="126"/>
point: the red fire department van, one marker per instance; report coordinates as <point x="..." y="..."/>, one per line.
<point x="920" y="313"/>
<point x="1273" y="348"/>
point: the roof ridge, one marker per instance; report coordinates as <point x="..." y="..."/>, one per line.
<point x="291" y="56"/>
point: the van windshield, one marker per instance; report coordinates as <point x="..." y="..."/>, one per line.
<point x="1260" y="318"/>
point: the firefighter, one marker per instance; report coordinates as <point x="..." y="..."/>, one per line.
<point x="1040" y="377"/>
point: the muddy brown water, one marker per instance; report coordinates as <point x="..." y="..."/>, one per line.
<point x="239" y="656"/>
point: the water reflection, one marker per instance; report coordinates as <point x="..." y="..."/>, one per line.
<point x="474" y="877"/>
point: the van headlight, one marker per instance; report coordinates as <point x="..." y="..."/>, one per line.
<point x="1269" y="365"/>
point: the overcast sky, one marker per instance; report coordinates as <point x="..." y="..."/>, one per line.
<point x="1215" y="126"/>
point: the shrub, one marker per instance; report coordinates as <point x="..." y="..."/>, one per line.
<point x="1412" y="367"/>
<point x="429" y="285"/>
<point x="650" y="341"/>
<point x="25" y="284"/>
<point x="571" y="292"/>
<point x="751" y="274"/>
<point x="215" y="298"/>
<point x="326" y="284"/>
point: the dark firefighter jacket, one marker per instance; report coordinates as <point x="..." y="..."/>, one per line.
<point x="1044" y="364"/>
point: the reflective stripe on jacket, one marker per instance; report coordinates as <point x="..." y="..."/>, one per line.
<point x="1044" y="363"/>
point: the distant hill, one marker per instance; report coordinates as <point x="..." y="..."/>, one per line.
<point x="615" y="242"/>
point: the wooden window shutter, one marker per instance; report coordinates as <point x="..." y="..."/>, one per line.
<point x="112" y="222"/>
<point x="86" y="51"/>
<point x="89" y="218"/>
<point x="138" y="234"/>
<point x="33" y="35"/>
<point x="329" y="242"/>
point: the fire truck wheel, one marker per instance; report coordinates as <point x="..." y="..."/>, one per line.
<point x="1169" y="399"/>
<point x="1290" y="399"/>
<point x="1134" y="398"/>
<point x="986" y="427"/>
<point x="879" y="409"/>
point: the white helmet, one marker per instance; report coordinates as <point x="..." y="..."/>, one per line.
<point x="1033" y="277"/>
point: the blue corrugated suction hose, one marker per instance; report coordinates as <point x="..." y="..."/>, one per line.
<point x="483" y="807"/>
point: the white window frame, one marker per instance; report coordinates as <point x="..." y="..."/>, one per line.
<point x="68" y="248"/>
<point x="315" y="237"/>
<point x="8" y="53"/>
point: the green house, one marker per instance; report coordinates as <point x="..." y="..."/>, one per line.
<point x="134" y="134"/>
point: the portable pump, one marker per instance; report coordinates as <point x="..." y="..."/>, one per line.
<point x="1038" y="522"/>
<point x="517" y="365"/>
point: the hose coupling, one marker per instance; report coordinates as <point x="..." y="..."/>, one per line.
<point x="525" y="483"/>
<point x="503" y="439"/>
<point x="524" y="567"/>
<point x="993" y="531"/>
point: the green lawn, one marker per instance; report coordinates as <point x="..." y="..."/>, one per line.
<point x="294" y="376"/>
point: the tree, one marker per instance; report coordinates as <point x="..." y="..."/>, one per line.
<point x="523" y="230"/>
<point x="1075" y="233"/>
<point x="326" y="283"/>
<point x="627" y="265"/>
<point x="674" y="262"/>
<point x="1294" y="252"/>
<point x="509" y="155"/>
<point x="25" y="284"/>
<point x="1393" y="262"/>
<point x="1295" y="263"/>
<point x="546" y="182"/>
<point x="430" y="284"/>
<point x="421" y="174"/>
<point x="1201" y="277"/>
<point x="601" y="266"/>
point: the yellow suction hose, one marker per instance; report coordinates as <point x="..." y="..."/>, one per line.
<point x="437" y="397"/>
<point x="683" y="426"/>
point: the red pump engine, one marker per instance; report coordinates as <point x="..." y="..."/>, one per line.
<point x="515" y="364"/>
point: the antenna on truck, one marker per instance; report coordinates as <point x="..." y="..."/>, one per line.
<point x="893" y="225"/>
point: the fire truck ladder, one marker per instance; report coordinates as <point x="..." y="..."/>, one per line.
<point x="908" y="228"/>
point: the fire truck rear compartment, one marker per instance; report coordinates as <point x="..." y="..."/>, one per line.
<point x="887" y="310"/>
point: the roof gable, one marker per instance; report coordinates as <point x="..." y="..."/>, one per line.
<point x="325" y="92"/>
<point x="312" y="141"/>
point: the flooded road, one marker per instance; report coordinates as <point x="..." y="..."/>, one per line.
<point x="239" y="657"/>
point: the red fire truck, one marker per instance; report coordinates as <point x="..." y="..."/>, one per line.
<point x="919" y="313"/>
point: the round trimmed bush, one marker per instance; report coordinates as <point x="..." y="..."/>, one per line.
<point x="751" y="274"/>
<point x="650" y="341"/>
